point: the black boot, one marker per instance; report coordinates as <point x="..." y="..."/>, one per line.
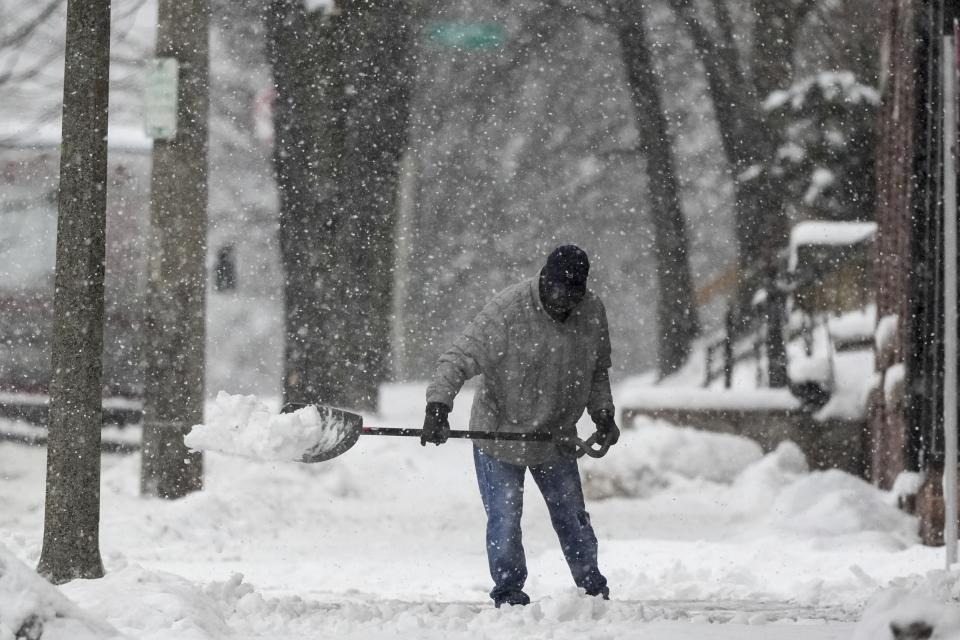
<point x="513" y="598"/>
<point x="603" y="591"/>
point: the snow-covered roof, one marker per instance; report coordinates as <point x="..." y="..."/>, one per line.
<point x="828" y="233"/>
<point x="659" y="397"/>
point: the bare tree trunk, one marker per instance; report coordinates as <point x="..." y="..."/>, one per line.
<point x="71" y="532"/>
<point x="176" y="284"/>
<point x="762" y="224"/>
<point x="304" y="55"/>
<point x="377" y="58"/>
<point x="676" y="315"/>
<point x="737" y="87"/>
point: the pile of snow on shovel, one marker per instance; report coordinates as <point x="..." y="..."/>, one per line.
<point x="243" y="426"/>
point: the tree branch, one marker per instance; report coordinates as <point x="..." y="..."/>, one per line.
<point x="726" y="31"/>
<point x="12" y="75"/>
<point x="601" y="19"/>
<point x="802" y="8"/>
<point x="799" y="13"/>
<point x="725" y="89"/>
<point x="539" y="27"/>
<point x="25" y="30"/>
<point x="704" y="42"/>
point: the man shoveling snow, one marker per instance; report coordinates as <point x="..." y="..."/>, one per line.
<point x="543" y="349"/>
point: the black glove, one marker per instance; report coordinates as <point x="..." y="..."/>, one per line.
<point x="436" y="428"/>
<point x="607" y="428"/>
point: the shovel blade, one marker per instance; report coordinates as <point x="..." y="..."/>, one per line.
<point x="341" y="429"/>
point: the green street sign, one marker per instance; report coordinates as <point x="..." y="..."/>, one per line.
<point x="466" y="35"/>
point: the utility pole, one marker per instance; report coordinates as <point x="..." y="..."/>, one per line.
<point x="174" y="337"/>
<point x="71" y="527"/>
<point x="949" y="64"/>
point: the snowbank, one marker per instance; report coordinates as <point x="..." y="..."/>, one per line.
<point x="244" y="426"/>
<point x="650" y="458"/>
<point x="159" y="605"/>
<point x="155" y="605"/>
<point x="31" y="608"/>
<point x="832" y="504"/>
<point x="830" y="507"/>
<point x="339" y="549"/>
<point x="928" y="606"/>
<point x="776" y="488"/>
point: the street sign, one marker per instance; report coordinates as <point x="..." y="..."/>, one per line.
<point x="466" y="35"/>
<point x="160" y="104"/>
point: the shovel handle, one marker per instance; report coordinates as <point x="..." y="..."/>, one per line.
<point x="591" y="448"/>
<point x="471" y="435"/>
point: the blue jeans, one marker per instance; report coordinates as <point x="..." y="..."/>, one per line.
<point x="501" y="488"/>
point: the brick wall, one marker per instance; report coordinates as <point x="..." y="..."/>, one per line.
<point x="887" y="422"/>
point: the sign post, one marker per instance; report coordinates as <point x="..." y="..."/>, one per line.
<point x="949" y="64"/>
<point x="466" y="35"/>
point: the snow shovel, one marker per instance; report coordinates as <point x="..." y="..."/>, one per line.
<point x="345" y="428"/>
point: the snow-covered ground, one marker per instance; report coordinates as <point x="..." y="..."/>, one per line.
<point x="701" y="536"/>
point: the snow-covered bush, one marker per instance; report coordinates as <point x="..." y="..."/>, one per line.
<point x="825" y="160"/>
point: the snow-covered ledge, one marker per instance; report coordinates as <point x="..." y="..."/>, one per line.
<point x="706" y="399"/>
<point x="767" y="416"/>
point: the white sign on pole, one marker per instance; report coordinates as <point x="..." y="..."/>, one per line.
<point x="160" y="104"/>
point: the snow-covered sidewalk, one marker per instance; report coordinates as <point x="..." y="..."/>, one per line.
<point x="701" y="536"/>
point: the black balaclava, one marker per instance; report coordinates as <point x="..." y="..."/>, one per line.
<point x="563" y="281"/>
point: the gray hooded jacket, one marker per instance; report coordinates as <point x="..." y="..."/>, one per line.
<point x="538" y="374"/>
